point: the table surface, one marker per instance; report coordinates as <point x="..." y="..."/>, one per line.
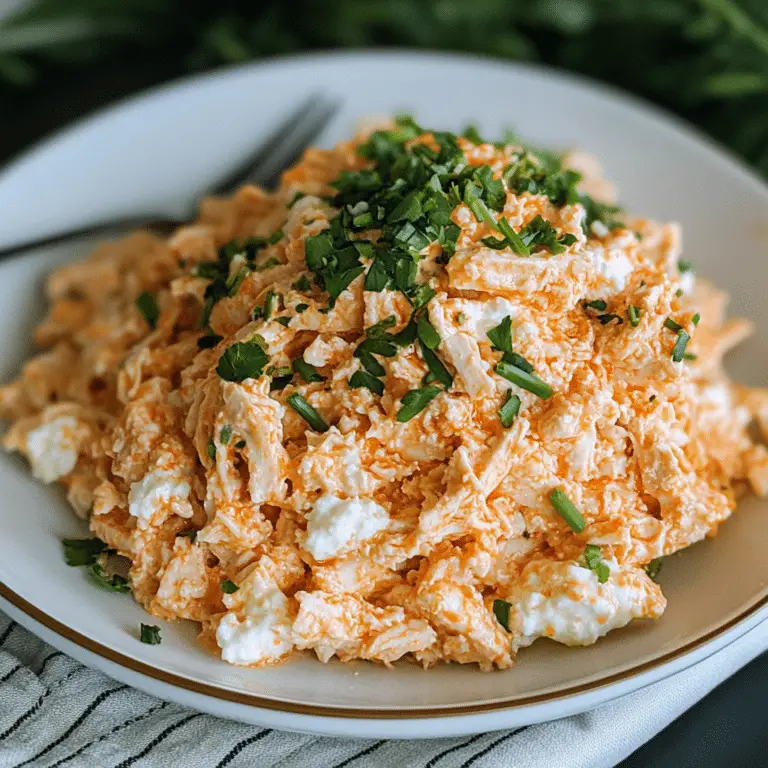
<point x="727" y="728"/>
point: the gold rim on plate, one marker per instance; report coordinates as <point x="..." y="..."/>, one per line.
<point x="235" y="697"/>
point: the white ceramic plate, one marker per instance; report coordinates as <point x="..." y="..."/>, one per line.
<point x="173" y="141"/>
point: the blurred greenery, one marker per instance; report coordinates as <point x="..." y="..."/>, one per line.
<point x="705" y="59"/>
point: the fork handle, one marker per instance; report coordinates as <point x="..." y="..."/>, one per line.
<point x="164" y="226"/>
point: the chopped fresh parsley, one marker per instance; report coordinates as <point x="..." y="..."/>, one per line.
<point x="307" y="412"/>
<point x="210" y="449"/>
<point x="284" y="321"/>
<point x="565" y="508"/>
<point x="509" y="409"/>
<point x="501" y="610"/>
<point x="243" y="360"/>
<point x="301" y="308"/>
<point x="685" y="266"/>
<point x="115" y="582"/>
<point x="229" y="587"/>
<point x="225" y="434"/>
<point x="501" y="335"/>
<point x="306" y="371"/>
<point x="523" y="379"/>
<point x="147" y="305"/>
<point x="653" y="569"/>
<point x="266" y="264"/>
<point x="78" y="552"/>
<point x="539" y="232"/>
<point x="150" y="634"/>
<point x="275" y="237"/>
<point x="593" y="559"/>
<point x="634" y="316"/>
<point x="696" y="319"/>
<point x="415" y="401"/>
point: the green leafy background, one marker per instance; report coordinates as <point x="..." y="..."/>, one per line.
<point x="705" y="59"/>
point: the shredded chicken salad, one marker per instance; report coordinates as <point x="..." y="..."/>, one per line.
<point x="434" y="398"/>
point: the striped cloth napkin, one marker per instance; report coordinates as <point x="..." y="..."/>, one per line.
<point x="55" y="712"/>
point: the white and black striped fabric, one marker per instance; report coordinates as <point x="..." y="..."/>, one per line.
<point x="55" y="712"/>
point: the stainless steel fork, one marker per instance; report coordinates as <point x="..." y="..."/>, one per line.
<point x="282" y="147"/>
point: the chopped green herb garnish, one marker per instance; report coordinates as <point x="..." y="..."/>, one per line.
<point x="428" y="336"/>
<point x="147" y="305"/>
<point x="190" y="534"/>
<point x="415" y="401"/>
<point x="528" y="381"/>
<point x="150" y="634"/>
<point x="243" y="360"/>
<point x="672" y="325"/>
<point x="515" y="241"/>
<point x="115" y="583"/>
<point x="303" y="283"/>
<point x="306" y="371"/>
<point x="678" y="351"/>
<point x="225" y="434"/>
<point x="295" y="199"/>
<point x="518" y="361"/>
<point x="461" y="318"/>
<point x="301" y="308"/>
<point x="379" y="330"/>
<point x="229" y="587"/>
<point x="210" y="449"/>
<point x="653" y="569"/>
<point x="284" y="321"/>
<point x="634" y="316"/>
<point x="593" y="559"/>
<point x="501" y="610"/>
<point x="539" y="232"/>
<point x="509" y="410"/>
<point x="240" y="444"/>
<point x="437" y="371"/>
<point x="501" y="335"/>
<point x="690" y="356"/>
<point x="271" y="302"/>
<point x="275" y="237"/>
<point x="679" y="292"/>
<point x="307" y="412"/>
<point x="565" y="508"/>
<point x="684" y="266"/>
<point x="209" y="341"/>
<point x="78" y="552"/>
<point x="367" y="380"/>
<point x="696" y="319"/>
<point x="597" y="304"/>
<point x="266" y="264"/>
<point x="609" y="317"/>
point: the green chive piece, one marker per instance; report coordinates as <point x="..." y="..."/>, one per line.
<point x="147" y="305"/>
<point x="426" y="332"/>
<point x="528" y="381"/>
<point x="211" y="449"/>
<point x="696" y="319"/>
<point x="415" y="401"/>
<point x="514" y="240"/>
<point x="225" y="434"/>
<point x="634" y="316"/>
<point x="672" y="325"/>
<point x="366" y="380"/>
<point x="678" y="351"/>
<point x="150" y="634"/>
<point x="307" y="412"/>
<point x="501" y="610"/>
<point x="229" y="587"/>
<point x="509" y="410"/>
<point x="306" y="371"/>
<point x="565" y="508"/>
<point x="597" y="304"/>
